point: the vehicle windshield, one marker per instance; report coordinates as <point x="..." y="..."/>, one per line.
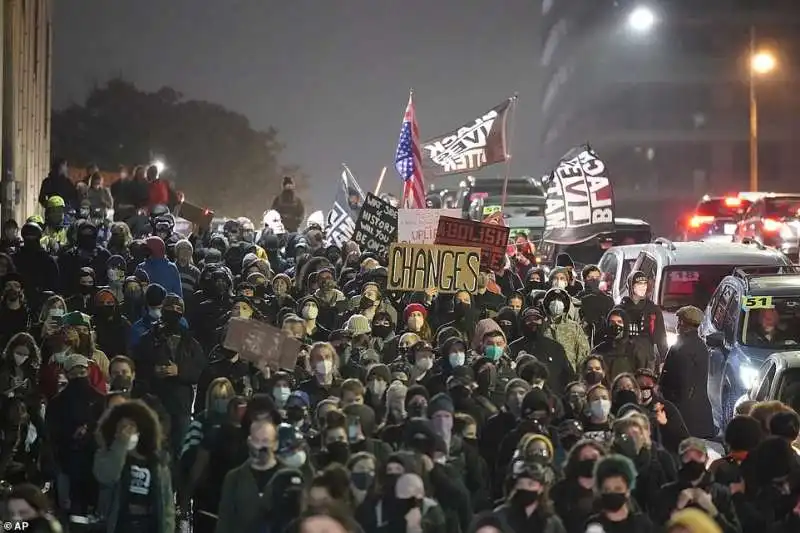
<point x="694" y="285"/>
<point x="719" y="208"/>
<point x="782" y="207"/>
<point x="789" y="392"/>
<point x="771" y="322"/>
<point x="494" y="188"/>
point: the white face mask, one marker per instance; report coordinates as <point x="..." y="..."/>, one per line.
<point x="324" y="368"/>
<point x="414" y="323"/>
<point x="377" y="387"/>
<point x="281" y="394"/>
<point x="310" y="312"/>
<point x="640" y="290"/>
<point x="60" y="357"/>
<point x="113" y="275"/>
<point x="155" y="313"/>
<point x="133" y="442"/>
<point x="457" y="359"/>
<point x="424" y="364"/>
<point x="294" y="460"/>
<point x="20" y="359"/>
<point x="559" y="284"/>
<point x="556" y="308"/>
<point x="599" y="409"/>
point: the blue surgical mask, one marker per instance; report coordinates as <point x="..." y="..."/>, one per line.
<point x="493" y="352"/>
<point x="457" y="359"/>
<point x="220" y="405"/>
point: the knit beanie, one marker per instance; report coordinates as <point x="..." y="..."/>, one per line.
<point x="411" y="308"/>
<point x="417" y="390"/>
<point x="358" y="325"/>
<point x="154" y="295"/>
<point x="440" y="402"/>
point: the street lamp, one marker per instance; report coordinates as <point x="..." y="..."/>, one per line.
<point x="642" y="19"/>
<point x="761" y="63"/>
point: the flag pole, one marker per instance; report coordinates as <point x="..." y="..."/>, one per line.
<point x="380" y="181"/>
<point x="508" y="151"/>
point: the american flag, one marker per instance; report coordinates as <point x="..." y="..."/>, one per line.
<point x="408" y="160"/>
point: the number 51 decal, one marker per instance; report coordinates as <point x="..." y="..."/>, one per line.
<point x="757" y="302"/>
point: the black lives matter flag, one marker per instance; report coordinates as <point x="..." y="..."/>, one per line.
<point x="474" y="145"/>
<point x="580" y="199"/>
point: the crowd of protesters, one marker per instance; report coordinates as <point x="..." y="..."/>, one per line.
<point x="533" y="405"/>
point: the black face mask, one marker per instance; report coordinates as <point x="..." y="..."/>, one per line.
<point x="104" y="312"/>
<point x="523" y="498"/>
<point x="171" y="318"/>
<point x="295" y="414"/>
<point x="592" y="284"/>
<point x="691" y="471"/>
<point x="460" y="309"/>
<point x="389" y="484"/>
<point x="87" y="241"/>
<point x="616" y="330"/>
<point x="381" y="330"/>
<point x="593" y="378"/>
<point x="86" y="289"/>
<point x="585" y="468"/>
<point x="613" y="501"/>
<point x="338" y="452"/>
<point x="362" y="480"/>
<point x="416" y="410"/>
<point x="121" y="383"/>
<point x="31" y="242"/>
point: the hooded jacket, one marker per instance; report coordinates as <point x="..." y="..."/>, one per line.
<point x="621" y="355"/>
<point x="160" y="269"/>
<point x="565" y="331"/>
<point x="646" y="325"/>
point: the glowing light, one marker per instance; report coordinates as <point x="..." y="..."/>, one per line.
<point x="159" y="165"/>
<point x="763" y="62"/>
<point x="642" y="19"/>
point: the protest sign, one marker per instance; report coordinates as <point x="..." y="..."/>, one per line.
<point x="376" y="227"/>
<point x="259" y="342"/>
<point x="491" y="238"/>
<point x="448" y="269"/>
<point x="194" y="214"/>
<point x="419" y="226"/>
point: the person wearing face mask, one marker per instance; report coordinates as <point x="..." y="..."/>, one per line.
<point x="308" y="308"/>
<point x="14" y="311"/>
<point x="83" y="300"/>
<point x="565" y="262"/>
<point x="453" y="352"/>
<point x="188" y="272"/>
<point x="415" y="316"/>
<point x="115" y="273"/>
<point x="160" y="269"/>
<point x="596" y="419"/>
<point x="574" y="496"/>
<point x="378" y="379"/>
<point x="645" y="319"/>
<point x="360" y="424"/>
<point x="85" y="253"/>
<point x="328" y="294"/>
<point x="695" y="488"/>
<point x="509" y="322"/>
<point x="619" y="351"/>
<point x="20" y="373"/>
<point x="36" y="267"/>
<point x="228" y="364"/>
<point x="112" y="329"/>
<point x="670" y="428"/>
<point x="246" y="491"/>
<point x="685" y="374"/>
<point x="11" y="241"/>
<point x="169" y="364"/>
<point x="153" y="299"/>
<point x="465" y="316"/>
<point x="528" y="508"/>
<point x="384" y="340"/>
<point x="544" y="348"/>
<point x="421" y="356"/>
<point x="325" y="374"/>
<point x="560" y="328"/>
<point x="491" y="343"/>
<point x="614" y="480"/>
<point x="292" y="450"/>
<point x="502" y="423"/>
<point x="595" y="304"/>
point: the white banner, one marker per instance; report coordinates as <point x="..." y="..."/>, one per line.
<point x="418" y="226"/>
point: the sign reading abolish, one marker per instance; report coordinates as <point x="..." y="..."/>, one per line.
<point x="580" y="199"/>
<point x="376" y="226"/>
<point x="492" y="239"/>
<point x="448" y="269"/>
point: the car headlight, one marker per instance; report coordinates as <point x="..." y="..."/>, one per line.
<point x="672" y="338"/>
<point x="748" y="375"/>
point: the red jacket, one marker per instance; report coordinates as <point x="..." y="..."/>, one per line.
<point x="159" y="193"/>
<point x="48" y="380"/>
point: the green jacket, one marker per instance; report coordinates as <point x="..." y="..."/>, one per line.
<point x="241" y="507"/>
<point x="571" y="336"/>
<point x="110" y="472"/>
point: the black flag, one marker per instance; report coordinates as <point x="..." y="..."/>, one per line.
<point x="474" y="145"/>
<point x="580" y="199"/>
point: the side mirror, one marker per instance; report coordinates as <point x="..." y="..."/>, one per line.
<point x="715" y="340"/>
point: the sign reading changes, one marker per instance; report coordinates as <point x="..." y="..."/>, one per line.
<point x="448" y="269"/>
<point x="580" y="199"/>
<point x="376" y="227"/>
<point x="491" y="238"/>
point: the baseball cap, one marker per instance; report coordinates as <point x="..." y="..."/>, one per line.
<point x="692" y="443"/>
<point x="74" y="361"/>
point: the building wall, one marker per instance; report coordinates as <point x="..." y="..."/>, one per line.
<point x="26" y="79"/>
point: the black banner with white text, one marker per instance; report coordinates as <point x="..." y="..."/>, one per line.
<point x="474" y="145"/>
<point x="580" y="199"/>
<point x="376" y="227"/>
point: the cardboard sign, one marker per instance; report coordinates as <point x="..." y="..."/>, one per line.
<point x="194" y="214"/>
<point x="448" y="269"/>
<point x="491" y="238"/>
<point x="419" y="226"/>
<point x="376" y="227"/>
<point x="258" y="342"/>
<point x="495" y="218"/>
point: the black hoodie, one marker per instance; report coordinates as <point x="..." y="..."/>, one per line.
<point x="621" y="354"/>
<point x="646" y="326"/>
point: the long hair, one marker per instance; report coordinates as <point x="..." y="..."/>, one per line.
<point x="218" y="388"/>
<point x="146" y="422"/>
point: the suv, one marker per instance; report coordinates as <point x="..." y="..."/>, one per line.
<point x="750" y="316"/>
<point x="773" y="219"/>
<point x="778" y="379"/>
<point x="715" y="218"/>
<point x="687" y="273"/>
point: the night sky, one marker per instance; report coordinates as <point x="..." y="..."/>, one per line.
<point x="331" y="75"/>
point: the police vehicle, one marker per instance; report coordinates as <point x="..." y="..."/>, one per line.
<point x="750" y="316"/>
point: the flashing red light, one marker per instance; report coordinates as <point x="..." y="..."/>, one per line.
<point x="698" y="220"/>
<point x="771" y="225"/>
<point x="732" y="201"/>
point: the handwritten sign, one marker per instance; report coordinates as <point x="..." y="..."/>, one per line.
<point x="376" y="226"/>
<point x="491" y="238"/>
<point x="448" y="269"/>
<point x="259" y="342"/>
<point x="419" y="226"/>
